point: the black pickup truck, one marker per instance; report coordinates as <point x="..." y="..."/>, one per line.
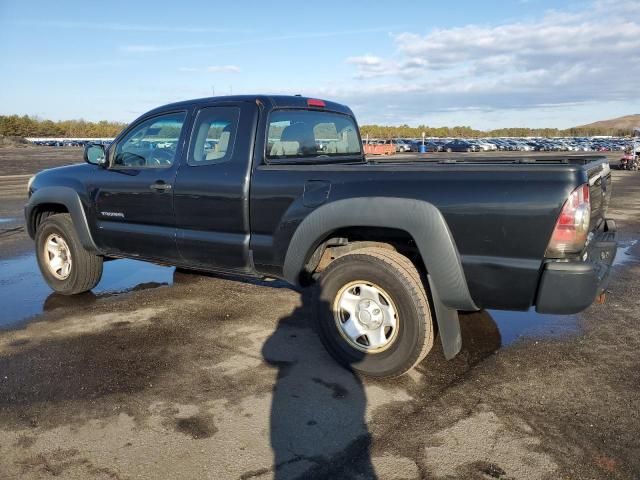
<point x="278" y="186"/>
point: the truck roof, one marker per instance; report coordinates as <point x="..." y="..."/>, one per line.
<point x="271" y="101"/>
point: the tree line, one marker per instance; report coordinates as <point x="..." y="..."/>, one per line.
<point x="405" y="131"/>
<point x="26" y="126"/>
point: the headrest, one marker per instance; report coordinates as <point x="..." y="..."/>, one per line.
<point x="297" y="132"/>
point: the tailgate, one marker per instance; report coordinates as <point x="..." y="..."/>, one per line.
<point x="599" y="191"/>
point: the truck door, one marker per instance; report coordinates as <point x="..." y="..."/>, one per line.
<point x="134" y="196"/>
<point x="211" y="194"/>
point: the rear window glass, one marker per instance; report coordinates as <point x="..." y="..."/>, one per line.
<point x="309" y="134"/>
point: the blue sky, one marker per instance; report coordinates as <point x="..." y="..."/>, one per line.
<point x="484" y="64"/>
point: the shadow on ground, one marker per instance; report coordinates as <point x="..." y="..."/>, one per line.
<point x="320" y="414"/>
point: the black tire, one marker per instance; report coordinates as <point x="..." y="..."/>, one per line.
<point x="398" y="277"/>
<point x="86" y="267"/>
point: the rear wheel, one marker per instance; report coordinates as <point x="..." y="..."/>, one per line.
<point x="65" y="265"/>
<point x="374" y="315"/>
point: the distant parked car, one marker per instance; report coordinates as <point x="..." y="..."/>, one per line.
<point x="433" y="146"/>
<point x="490" y="146"/>
<point x="460" y="146"/>
<point x="402" y="145"/>
<point x="500" y="144"/>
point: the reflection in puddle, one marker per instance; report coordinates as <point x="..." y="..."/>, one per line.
<point x="515" y="325"/>
<point x="530" y="324"/>
<point x="626" y="253"/>
<point x="24" y="293"/>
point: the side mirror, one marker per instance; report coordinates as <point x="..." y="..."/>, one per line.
<point x="95" y="154"/>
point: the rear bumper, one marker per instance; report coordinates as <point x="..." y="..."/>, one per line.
<point x="570" y="287"/>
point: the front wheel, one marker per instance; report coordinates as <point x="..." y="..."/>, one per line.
<point x="65" y="265"/>
<point x="374" y="315"/>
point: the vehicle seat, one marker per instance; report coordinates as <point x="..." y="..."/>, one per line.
<point x="296" y="139"/>
<point x="348" y="142"/>
<point x="220" y="149"/>
<point x="201" y="138"/>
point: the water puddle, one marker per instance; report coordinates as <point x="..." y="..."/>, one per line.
<point x="627" y="252"/>
<point x="24" y="293"/>
<point x="530" y="324"/>
<point x="7" y="220"/>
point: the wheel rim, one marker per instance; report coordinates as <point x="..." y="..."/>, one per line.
<point x="57" y="256"/>
<point x="366" y="316"/>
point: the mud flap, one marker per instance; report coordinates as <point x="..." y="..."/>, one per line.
<point x="448" y="325"/>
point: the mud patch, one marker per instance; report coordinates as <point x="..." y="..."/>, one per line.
<point x="25" y="441"/>
<point x="62" y="380"/>
<point x="255" y="473"/>
<point x="64" y="463"/>
<point x="481" y="446"/>
<point x="197" y="426"/>
<point x="54" y="463"/>
<point x="489" y="470"/>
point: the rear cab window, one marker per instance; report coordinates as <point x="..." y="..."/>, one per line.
<point x="311" y="136"/>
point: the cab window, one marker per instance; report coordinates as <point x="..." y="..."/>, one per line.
<point x="214" y="136"/>
<point x="151" y="144"/>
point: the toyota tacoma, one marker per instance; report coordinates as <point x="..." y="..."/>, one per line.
<point x="279" y="186"/>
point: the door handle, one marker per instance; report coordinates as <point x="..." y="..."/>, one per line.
<point x="160" y="186"/>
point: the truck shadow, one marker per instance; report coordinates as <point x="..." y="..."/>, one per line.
<point x="320" y="415"/>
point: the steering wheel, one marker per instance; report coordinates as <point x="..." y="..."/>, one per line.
<point x="161" y="157"/>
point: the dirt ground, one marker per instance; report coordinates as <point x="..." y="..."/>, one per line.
<point x="165" y="374"/>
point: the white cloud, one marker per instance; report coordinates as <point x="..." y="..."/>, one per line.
<point x="561" y="58"/>
<point x="365" y="60"/>
<point x="370" y="66"/>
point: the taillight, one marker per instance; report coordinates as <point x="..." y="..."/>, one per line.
<point x="572" y="227"/>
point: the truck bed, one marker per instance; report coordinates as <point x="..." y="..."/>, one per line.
<point x="501" y="210"/>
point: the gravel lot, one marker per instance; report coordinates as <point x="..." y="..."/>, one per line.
<point x="165" y="374"/>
